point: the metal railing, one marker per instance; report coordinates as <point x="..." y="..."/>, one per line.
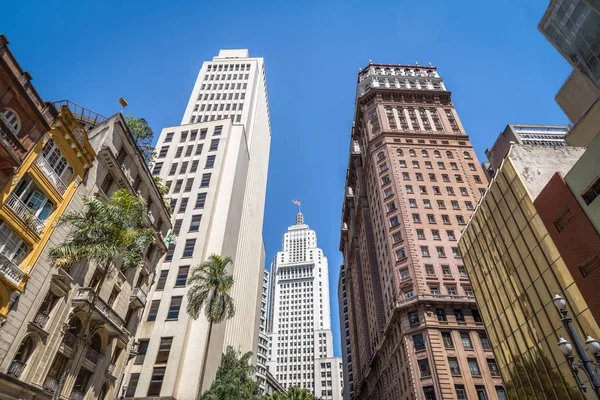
<point x="52" y="176"/>
<point x="111" y="369"/>
<point x="69" y="339"/>
<point x="12" y="140"/>
<point x="11" y="271"/>
<point x="76" y="395"/>
<point x="83" y="115"/>
<point x="16" y="368"/>
<point x="87" y="294"/>
<point x="24" y="213"/>
<point x="50" y="384"/>
<point x="41" y="320"/>
<point x="92" y="355"/>
<point x="139" y="294"/>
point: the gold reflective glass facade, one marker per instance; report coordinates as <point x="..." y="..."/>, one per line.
<point x="515" y="270"/>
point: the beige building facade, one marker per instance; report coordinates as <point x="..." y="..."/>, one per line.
<point x="48" y="346"/>
<point x="412" y="182"/>
<point x="215" y="168"/>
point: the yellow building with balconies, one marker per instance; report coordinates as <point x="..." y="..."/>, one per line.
<point x="37" y="195"/>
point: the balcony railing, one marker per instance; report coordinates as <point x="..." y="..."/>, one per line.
<point x="24" y="213"/>
<point x="50" y="384"/>
<point x="69" y="339"/>
<point x="87" y="295"/>
<point x="52" y="176"/>
<point x="12" y="272"/>
<point x="92" y="355"/>
<point x="40" y="320"/>
<point x="16" y="368"/>
<point x="76" y="395"/>
<point x="138" y="297"/>
<point x="12" y="140"/>
<point x="111" y="369"/>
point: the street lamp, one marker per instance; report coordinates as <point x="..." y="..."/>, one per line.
<point x="587" y="365"/>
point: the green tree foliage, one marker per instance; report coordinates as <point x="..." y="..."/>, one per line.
<point x="143" y="135"/>
<point x="163" y="190"/>
<point x="234" y="380"/>
<point x="293" y="393"/>
<point x="208" y="288"/>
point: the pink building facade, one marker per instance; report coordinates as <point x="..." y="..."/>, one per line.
<point x="412" y="183"/>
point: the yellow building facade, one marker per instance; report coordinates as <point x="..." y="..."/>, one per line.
<point x="515" y="270"/>
<point x="32" y="202"/>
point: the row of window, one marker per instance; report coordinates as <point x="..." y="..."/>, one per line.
<point x="428" y="165"/>
<point x="193" y="135"/>
<point x="188" y="250"/>
<point x="461" y="393"/>
<point x="433" y="177"/>
<point x="413" y="316"/>
<point x="441" y="204"/>
<point x="228" y="67"/>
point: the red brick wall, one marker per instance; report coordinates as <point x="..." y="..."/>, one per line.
<point x="578" y="242"/>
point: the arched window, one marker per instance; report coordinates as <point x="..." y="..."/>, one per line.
<point x="11" y="118"/>
<point x="96" y="342"/>
<point x="449" y="154"/>
<point x="23" y="354"/>
<point x="436" y="154"/>
<point x="412" y="153"/>
<point x="466" y="154"/>
<point x="425" y="153"/>
<point x="75" y="326"/>
<point x="399" y="152"/>
<point x="380" y="155"/>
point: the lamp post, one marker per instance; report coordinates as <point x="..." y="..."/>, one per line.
<point x="587" y="364"/>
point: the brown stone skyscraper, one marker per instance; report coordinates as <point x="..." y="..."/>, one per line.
<point x="412" y="183"/>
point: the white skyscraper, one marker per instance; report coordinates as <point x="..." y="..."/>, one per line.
<point x="215" y="166"/>
<point x="300" y="317"/>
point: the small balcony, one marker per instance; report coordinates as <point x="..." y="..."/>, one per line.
<point x="24" y="213"/>
<point x="50" y="384"/>
<point x="137" y="298"/>
<point x="76" y="395"/>
<point x="111" y="369"/>
<point x="69" y="340"/>
<point x="40" y="320"/>
<point x="86" y="295"/>
<point x="16" y="368"/>
<point x="52" y="176"/>
<point x="92" y="355"/>
<point x="10" y="271"/>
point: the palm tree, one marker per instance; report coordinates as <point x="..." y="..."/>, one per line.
<point x="208" y="288"/>
<point x="102" y="233"/>
<point x="293" y="393"/>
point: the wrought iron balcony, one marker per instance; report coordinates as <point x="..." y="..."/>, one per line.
<point x="50" y="384"/>
<point x="10" y="271"/>
<point x="111" y="369"/>
<point x="16" y="368"/>
<point x="26" y="215"/>
<point x="85" y="116"/>
<point x="76" y="395"/>
<point x="40" y="320"/>
<point x="137" y="299"/>
<point x="52" y="176"/>
<point x="69" y="340"/>
<point x="87" y="295"/>
<point x="92" y="355"/>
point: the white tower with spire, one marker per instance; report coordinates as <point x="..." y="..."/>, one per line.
<point x="300" y="316"/>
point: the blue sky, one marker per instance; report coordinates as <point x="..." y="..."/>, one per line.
<point x="499" y="67"/>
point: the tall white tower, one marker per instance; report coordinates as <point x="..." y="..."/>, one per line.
<point x="215" y="166"/>
<point x="300" y="317"/>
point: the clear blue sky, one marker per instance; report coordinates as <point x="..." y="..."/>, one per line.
<point x="499" y="68"/>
